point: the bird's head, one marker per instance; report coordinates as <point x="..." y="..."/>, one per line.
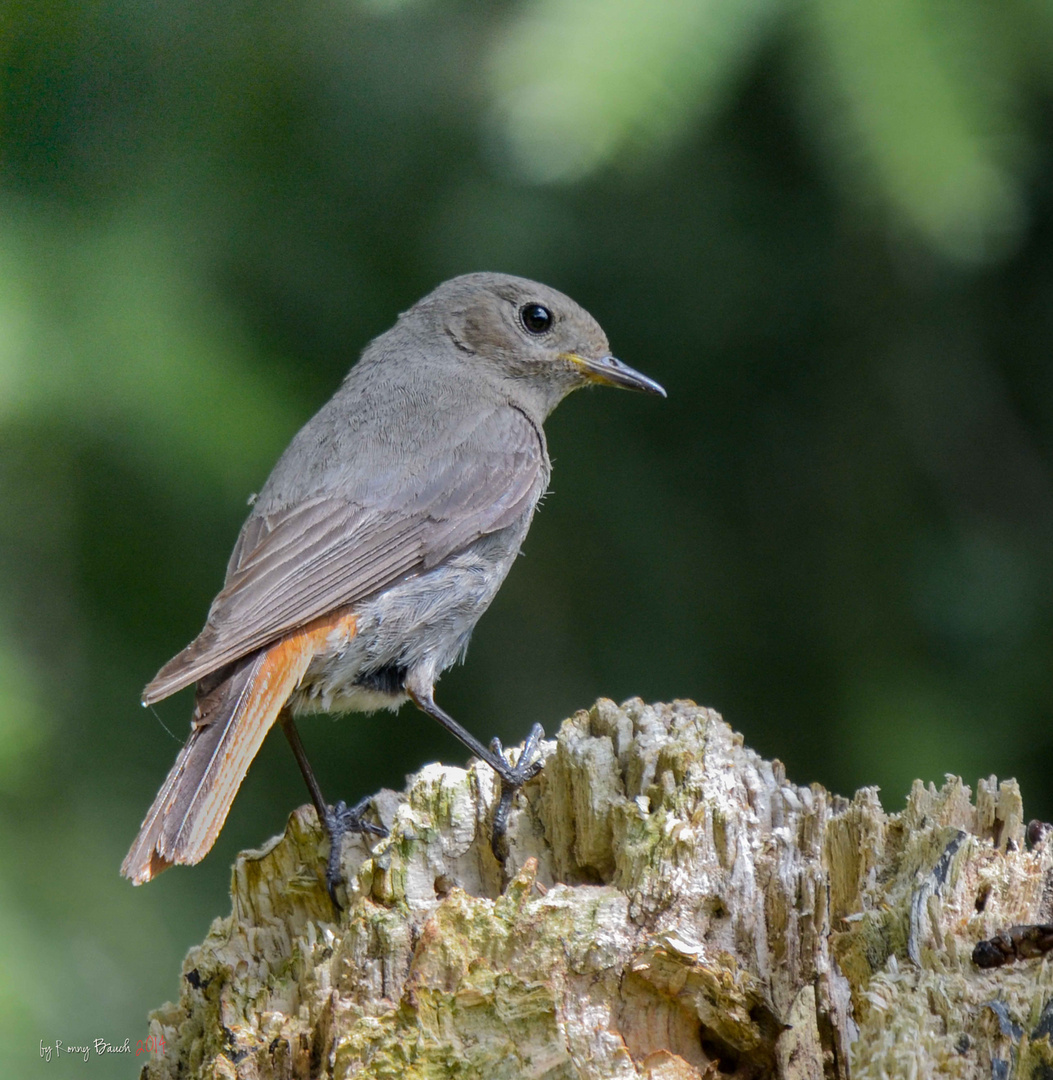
<point x="529" y="334"/>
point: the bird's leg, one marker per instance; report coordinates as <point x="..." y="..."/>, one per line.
<point x="337" y="820"/>
<point x="513" y="777"/>
<point x="528" y="765"/>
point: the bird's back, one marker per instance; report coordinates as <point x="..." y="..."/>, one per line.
<point x="407" y="464"/>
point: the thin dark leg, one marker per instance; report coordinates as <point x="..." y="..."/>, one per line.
<point x="513" y="777"/>
<point x="293" y="735"/>
<point x="337" y="821"/>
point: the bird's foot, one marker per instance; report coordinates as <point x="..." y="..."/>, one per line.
<point x="513" y="777"/>
<point x="339" y="821"/>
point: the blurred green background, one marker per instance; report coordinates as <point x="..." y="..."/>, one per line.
<point x="826" y="227"/>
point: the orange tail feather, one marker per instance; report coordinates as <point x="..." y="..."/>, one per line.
<point x="231" y="720"/>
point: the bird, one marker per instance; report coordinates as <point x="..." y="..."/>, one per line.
<point x="379" y="539"/>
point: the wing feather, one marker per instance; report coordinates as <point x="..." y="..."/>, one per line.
<point x="328" y="550"/>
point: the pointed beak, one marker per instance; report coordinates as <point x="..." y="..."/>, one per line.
<point x="612" y="372"/>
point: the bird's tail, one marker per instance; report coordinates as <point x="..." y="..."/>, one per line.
<point x="235" y="709"/>
<point x="231" y="719"/>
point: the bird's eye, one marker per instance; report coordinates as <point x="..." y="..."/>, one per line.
<point x="535" y="318"/>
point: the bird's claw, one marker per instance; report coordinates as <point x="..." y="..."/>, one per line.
<point x="513" y="777"/>
<point x="339" y="821"/>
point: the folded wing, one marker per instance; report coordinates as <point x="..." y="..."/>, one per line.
<point x="335" y="548"/>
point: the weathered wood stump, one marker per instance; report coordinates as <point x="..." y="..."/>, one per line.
<point x="672" y="907"/>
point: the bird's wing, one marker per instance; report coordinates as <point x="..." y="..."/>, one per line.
<point x="330" y="551"/>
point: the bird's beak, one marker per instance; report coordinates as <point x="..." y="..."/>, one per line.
<point x="611" y="371"/>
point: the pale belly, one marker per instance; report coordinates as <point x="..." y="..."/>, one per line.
<point x="419" y="626"/>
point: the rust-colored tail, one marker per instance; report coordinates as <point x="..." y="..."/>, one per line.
<point x="234" y="711"/>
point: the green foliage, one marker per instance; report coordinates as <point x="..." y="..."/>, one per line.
<point x="580" y="85"/>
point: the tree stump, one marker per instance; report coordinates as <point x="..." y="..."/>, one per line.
<point x="671" y="907"/>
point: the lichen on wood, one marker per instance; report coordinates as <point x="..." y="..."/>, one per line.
<point x="671" y="907"/>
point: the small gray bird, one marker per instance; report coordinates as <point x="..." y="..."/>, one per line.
<point x="377" y="542"/>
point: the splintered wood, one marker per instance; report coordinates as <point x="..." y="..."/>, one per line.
<point x="672" y="907"/>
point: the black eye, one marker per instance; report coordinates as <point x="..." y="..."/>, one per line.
<point x="535" y="318"/>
